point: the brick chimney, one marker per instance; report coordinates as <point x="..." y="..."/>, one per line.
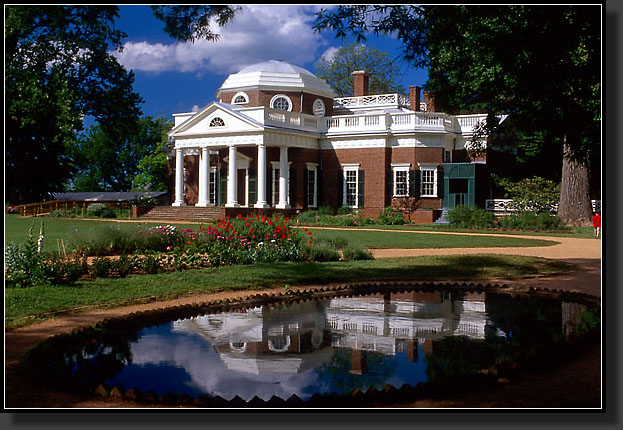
<point x="414" y="97"/>
<point x="433" y="102"/>
<point x="360" y="83"/>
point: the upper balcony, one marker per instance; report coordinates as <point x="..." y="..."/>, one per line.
<point x="375" y="101"/>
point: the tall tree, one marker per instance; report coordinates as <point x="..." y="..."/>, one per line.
<point x="192" y="22"/>
<point x="58" y="70"/>
<point x="110" y="159"/>
<point x="337" y="70"/>
<point x="540" y="64"/>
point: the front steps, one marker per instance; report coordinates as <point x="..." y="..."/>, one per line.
<point x="195" y="213"/>
<point x="184" y="213"/>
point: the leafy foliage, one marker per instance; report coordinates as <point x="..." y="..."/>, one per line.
<point x="337" y="70"/>
<point x="123" y="158"/>
<point x="59" y="68"/>
<point x="536" y="194"/>
<point x="192" y="22"/>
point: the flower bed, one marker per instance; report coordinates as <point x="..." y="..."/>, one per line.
<point x="239" y="240"/>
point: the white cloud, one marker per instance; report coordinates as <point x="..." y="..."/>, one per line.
<point x="257" y="33"/>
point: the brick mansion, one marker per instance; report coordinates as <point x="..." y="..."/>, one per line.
<point x="278" y="138"/>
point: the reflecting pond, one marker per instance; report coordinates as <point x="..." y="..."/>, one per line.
<point x="332" y="345"/>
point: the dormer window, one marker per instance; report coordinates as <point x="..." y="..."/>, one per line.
<point x="240" y="99"/>
<point x="217" y="122"/>
<point x="281" y="102"/>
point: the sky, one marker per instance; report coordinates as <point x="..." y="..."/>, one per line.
<point x="175" y="77"/>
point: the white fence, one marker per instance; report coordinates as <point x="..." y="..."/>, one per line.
<point x="503" y="206"/>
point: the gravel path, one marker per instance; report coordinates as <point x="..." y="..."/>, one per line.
<point x="575" y="385"/>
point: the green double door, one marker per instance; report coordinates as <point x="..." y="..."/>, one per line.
<point x="459" y="185"/>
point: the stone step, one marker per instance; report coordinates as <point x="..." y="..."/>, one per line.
<point x="184" y="213"/>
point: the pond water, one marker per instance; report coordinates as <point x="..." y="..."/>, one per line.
<point x="333" y="345"/>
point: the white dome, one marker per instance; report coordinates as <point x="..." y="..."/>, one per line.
<point x="276" y="66"/>
<point x="275" y="75"/>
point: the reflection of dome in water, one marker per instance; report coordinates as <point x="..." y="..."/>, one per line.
<point x="276" y="75"/>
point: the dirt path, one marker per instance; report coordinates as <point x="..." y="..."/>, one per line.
<point x="576" y="384"/>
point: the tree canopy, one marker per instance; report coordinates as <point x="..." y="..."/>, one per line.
<point x="192" y="22"/>
<point x="58" y="70"/>
<point x="126" y="159"/>
<point x="337" y="70"/>
<point x="539" y="64"/>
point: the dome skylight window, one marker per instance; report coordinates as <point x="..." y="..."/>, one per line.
<point x="281" y="102"/>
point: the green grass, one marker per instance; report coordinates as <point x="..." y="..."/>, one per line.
<point x="29" y="305"/>
<point x="411" y="240"/>
<point x="575" y="232"/>
<point x="16" y="230"/>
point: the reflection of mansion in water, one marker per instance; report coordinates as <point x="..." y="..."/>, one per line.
<point x="289" y="339"/>
<point x="293" y="338"/>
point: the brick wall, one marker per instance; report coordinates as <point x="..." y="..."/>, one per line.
<point x="262" y="98"/>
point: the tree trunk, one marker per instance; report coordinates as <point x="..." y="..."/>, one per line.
<point x="575" y="202"/>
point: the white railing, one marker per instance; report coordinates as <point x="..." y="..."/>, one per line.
<point x="373" y="100"/>
<point x="503" y="206"/>
<point x="291" y="120"/>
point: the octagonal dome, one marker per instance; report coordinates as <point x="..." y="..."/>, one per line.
<point x="276" y="75"/>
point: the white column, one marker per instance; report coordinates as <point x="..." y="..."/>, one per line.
<point x="261" y="177"/>
<point x="283" y="178"/>
<point x="232" y="179"/>
<point x="204" y="177"/>
<point x="179" y="178"/>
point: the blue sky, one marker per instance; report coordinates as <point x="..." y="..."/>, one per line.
<point x="175" y="77"/>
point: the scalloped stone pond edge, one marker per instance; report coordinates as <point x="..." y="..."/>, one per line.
<point x="356" y="399"/>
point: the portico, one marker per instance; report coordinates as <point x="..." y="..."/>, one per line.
<point x="245" y="181"/>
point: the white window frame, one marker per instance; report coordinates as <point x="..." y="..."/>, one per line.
<point x="401" y="167"/>
<point x="346" y="168"/>
<point x="213" y="178"/>
<point x="428" y="168"/>
<point x="312" y="167"/>
<point x="240" y="94"/>
<point x="275" y="97"/>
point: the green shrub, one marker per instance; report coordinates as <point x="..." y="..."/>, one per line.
<point x="99" y="210"/>
<point x="467" y="216"/>
<point x="338" y="242"/>
<point x="532" y="194"/>
<point x="345" y="210"/>
<point x="70" y="213"/>
<point x="308" y="217"/>
<point x="391" y="216"/>
<point x="325" y="210"/>
<point x="26" y="266"/>
<point x="322" y="253"/>
<point x="124" y="265"/>
<point x="352" y="253"/>
<point x="528" y="220"/>
<point x="101" y="267"/>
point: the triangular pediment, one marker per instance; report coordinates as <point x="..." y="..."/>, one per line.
<point x="215" y="118"/>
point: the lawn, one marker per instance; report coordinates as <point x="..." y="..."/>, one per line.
<point x="72" y="229"/>
<point x="28" y="305"/>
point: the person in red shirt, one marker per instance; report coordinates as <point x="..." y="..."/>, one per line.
<point x="597" y="224"/>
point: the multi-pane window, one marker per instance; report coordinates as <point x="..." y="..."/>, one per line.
<point x="401" y="182"/>
<point x="350" y="187"/>
<point x="281" y="103"/>
<point x="429" y="182"/>
<point x="447" y="156"/>
<point x="213" y="185"/>
<point x="312" y="199"/>
<point x="217" y="122"/>
<point x="240" y="98"/>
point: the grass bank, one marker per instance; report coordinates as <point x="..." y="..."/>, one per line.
<point x="29" y="305"/>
